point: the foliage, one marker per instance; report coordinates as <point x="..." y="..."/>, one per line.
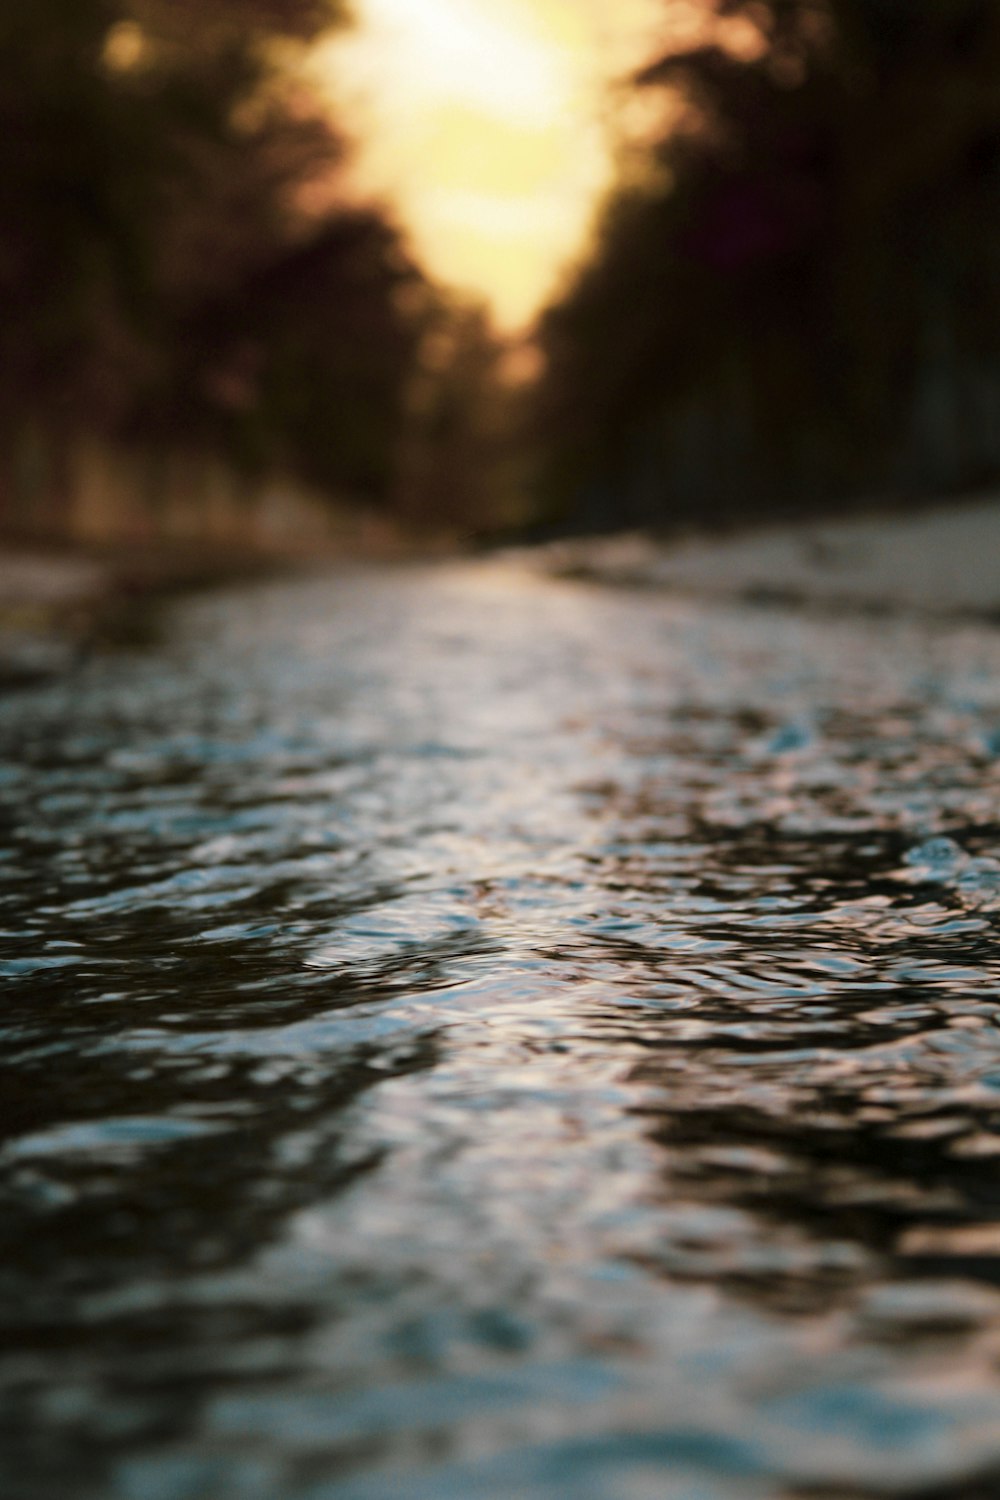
<point x="176" y="254"/>
<point x="460" y="469"/>
<point x="798" y="299"/>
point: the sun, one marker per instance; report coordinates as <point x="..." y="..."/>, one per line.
<point x="483" y="121"/>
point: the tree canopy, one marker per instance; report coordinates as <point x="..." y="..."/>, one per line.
<point x="178" y="259"/>
<point x="797" y="297"/>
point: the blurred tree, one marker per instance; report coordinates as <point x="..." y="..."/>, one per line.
<point x="460" y="470"/>
<point x="74" y="195"/>
<point x="797" y="298"/>
<point x="178" y="263"/>
<point x="303" y="363"/>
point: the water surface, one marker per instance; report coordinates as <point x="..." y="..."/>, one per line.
<point x="470" y="1037"/>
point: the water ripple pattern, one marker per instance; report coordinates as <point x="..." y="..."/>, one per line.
<point x="467" y="1037"/>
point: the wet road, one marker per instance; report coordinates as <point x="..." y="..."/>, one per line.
<point x="469" y="1037"/>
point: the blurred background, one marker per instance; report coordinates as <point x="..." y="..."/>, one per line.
<point x="277" y="274"/>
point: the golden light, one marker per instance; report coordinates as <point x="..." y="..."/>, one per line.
<point x="484" y="122"/>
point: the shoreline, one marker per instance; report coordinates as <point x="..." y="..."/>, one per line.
<point x="940" y="560"/>
<point x="59" y="599"/>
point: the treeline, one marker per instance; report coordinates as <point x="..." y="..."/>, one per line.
<point x="181" y="266"/>
<point x="794" y="297"/>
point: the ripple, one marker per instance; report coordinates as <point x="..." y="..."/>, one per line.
<point x="468" y="1036"/>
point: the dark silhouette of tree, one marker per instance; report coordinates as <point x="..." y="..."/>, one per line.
<point x="178" y="261"/>
<point x="798" y="300"/>
<point x="460" y="471"/>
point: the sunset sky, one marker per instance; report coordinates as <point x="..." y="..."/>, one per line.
<point x="482" y="121"/>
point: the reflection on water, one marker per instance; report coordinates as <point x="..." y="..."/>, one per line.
<point x="471" y="1038"/>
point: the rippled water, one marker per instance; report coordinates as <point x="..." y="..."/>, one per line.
<point x="468" y="1037"/>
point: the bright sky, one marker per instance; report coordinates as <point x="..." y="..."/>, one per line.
<point x="482" y="122"/>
